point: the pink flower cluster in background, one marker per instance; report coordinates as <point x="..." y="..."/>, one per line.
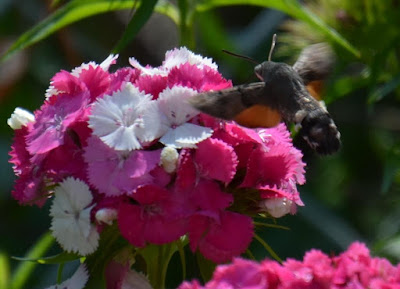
<point x="126" y="145"/>
<point x="353" y="269"/>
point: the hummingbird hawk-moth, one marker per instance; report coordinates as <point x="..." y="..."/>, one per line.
<point x="285" y="93"/>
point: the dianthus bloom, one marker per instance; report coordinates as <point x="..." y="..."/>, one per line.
<point x="354" y="268"/>
<point x="127" y="146"/>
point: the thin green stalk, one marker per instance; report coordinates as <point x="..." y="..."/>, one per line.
<point x="59" y="273"/>
<point x="268" y="248"/>
<point x="25" y="269"/>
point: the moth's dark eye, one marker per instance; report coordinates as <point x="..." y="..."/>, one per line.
<point x="258" y="70"/>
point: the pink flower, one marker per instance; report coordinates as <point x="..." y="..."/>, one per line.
<point x="153" y="219"/>
<point x="53" y="120"/>
<point x="151" y="84"/>
<point x="216" y="160"/>
<point x="241" y="274"/>
<point x="221" y="237"/>
<point x="200" y="79"/>
<point x="118" y="172"/>
<point x="354" y="269"/>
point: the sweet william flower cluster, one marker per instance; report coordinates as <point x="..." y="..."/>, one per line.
<point x="353" y="269"/>
<point x="126" y="146"/>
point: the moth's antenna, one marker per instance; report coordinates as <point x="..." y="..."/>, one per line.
<point x="272" y="47"/>
<point x="240" y="56"/>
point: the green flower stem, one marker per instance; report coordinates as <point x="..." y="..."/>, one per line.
<point x="157" y="259"/>
<point x="4" y="271"/>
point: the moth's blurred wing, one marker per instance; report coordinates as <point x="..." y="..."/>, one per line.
<point x="315" y="63"/>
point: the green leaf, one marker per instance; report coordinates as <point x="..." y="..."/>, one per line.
<point x="56" y="259"/>
<point x="214" y="35"/>
<point x="292" y="8"/>
<point x="74" y="11"/>
<point x="186" y="23"/>
<point x="4" y="271"/>
<point x="344" y="86"/>
<point x="384" y="90"/>
<point x="140" y="18"/>
<point x="25" y="269"/>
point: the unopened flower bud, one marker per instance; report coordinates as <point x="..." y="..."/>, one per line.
<point x="169" y="159"/>
<point x="106" y="215"/>
<point x="277" y="207"/>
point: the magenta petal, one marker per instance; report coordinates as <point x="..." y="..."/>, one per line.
<point x="54" y="119"/>
<point x="186" y="173"/>
<point x="241" y="273"/>
<point x="208" y="196"/>
<point x="29" y="190"/>
<point x="223" y="240"/>
<point x="160" y="176"/>
<point x="242" y="134"/>
<point x="200" y="79"/>
<point x="162" y="230"/>
<point x="149" y="194"/>
<point x="267" y="168"/>
<point x="142" y="162"/>
<point x="96" y="79"/>
<point x="122" y="75"/>
<point x="278" y="135"/>
<point x="154" y="219"/>
<point x="20" y="157"/>
<point x="151" y="84"/>
<point x="107" y="169"/>
<point x="191" y="285"/>
<point x="216" y="159"/>
<point x="131" y="224"/>
<point x="67" y="83"/>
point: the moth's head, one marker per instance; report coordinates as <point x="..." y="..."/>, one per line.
<point x="264" y="69"/>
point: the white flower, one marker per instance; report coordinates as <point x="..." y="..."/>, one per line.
<point x="135" y="280"/>
<point x="125" y="119"/>
<point x="183" y="55"/>
<point x="174" y="58"/>
<point x="147" y="70"/>
<point x="276" y="207"/>
<point x="106" y="215"/>
<point x="77" y="281"/>
<point x="105" y="65"/>
<point x="169" y="159"/>
<point x="173" y="105"/>
<point x="71" y="217"/>
<point x="19" y="118"/>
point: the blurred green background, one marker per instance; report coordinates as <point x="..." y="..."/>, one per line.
<point x="352" y="195"/>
